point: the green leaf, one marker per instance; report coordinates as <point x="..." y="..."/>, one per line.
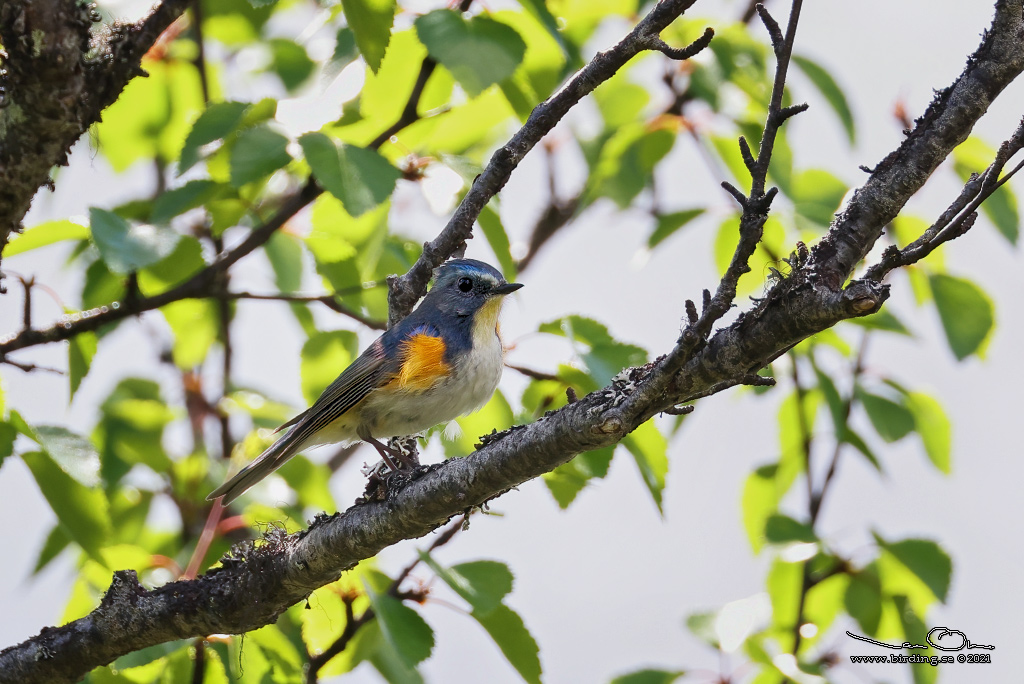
<point x="290" y="62"/>
<point x="195" y="324"/>
<point x="762" y="493"/>
<point x="510" y="634"/>
<point x="81" y="349"/>
<point x="481" y="583"/>
<point x="863" y="600"/>
<point x="702" y="626"/>
<point x="567" y="480"/>
<point x="257" y="153"/>
<point x="892" y="421"/>
<point x="324" y="356"/>
<point x="479" y="52"/>
<point x="7" y="436"/>
<point x="670" y="223"/>
<point x="72" y="453"/>
<point x="974" y="156"/>
<point x="497" y="238"/>
<point x="603" y="354"/>
<point x="370" y="21"/>
<point x="883" y="319"/>
<point x="184" y="262"/>
<point x="926" y="559"/>
<point x="131" y="428"/>
<point x="967" y="313"/>
<point x="650" y="451"/>
<point x="914" y="631"/>
<point x="857" y="442"/>
<point x="45" y="234"/>
<point x="175" y="202"/>
<point x="933" y="425"/>
<point x="781" y="529"/>
<point x="626" y="164"/>
<point x="125" y="247"/>
<point x="649" y="676"/>
<point x="82" y="511"/>
<point x="216" y="122"/>
<point x="345" y="51"/>
<point x="149" y="654"/>
<point x="56" y="542"/>
<point x="309" y="480"/>
<point x="816" y="195"/>
<point x="402" y="627"/>
<point x="359" y="177"/>
<point x="831" y="91"/>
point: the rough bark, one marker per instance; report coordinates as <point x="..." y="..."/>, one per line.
<point x="55" y="80"/>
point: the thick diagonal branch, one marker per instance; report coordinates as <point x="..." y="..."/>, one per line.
<point x="52" y="88"/>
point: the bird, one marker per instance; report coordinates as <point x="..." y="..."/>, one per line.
<point x="442" y="361"/>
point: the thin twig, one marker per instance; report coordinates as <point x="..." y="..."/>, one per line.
<point x="328" y="300"/>
<point x="531" y="373"/>
<point x="961" y="214"/>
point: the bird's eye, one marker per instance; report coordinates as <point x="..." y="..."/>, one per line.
<point x="465" y="284"/>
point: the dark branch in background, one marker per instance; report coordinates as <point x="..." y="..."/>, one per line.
<point x="406" y="290"/>
<point x="328" y="300"/>
<point x="51" y="91"/>
<point x="554" y="217"/>
<point x="283" y="569"/>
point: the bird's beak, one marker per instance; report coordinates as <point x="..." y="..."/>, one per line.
<point x="507" y="288"/>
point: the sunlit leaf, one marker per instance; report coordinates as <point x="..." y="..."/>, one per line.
<point x="195" y="324"/>
<point x="45" y="234"/>
<point x="497" y="238"/>
<point x="933" y="425"/>
<point x="324" y="356"/>
<point x="924" y="558"/>
<point x="650" y="452"/>
<point x="72" y="453"/>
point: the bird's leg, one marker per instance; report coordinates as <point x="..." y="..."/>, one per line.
<point x="388" y="454"/>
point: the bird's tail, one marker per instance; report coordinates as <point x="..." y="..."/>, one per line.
<point x="270" y="460"/>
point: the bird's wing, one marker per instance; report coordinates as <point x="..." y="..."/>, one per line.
<point x="368" y="371"/>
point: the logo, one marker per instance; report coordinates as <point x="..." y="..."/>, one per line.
<point x="939" y="638"/>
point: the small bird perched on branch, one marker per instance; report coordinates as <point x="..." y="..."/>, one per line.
<point x="442" y="361"/>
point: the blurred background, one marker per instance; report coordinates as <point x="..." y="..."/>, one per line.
<point x="605" y="585"/>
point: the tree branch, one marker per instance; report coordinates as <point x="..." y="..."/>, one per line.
<point x="946" y="123"/>
<point x="52" y="92"/>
